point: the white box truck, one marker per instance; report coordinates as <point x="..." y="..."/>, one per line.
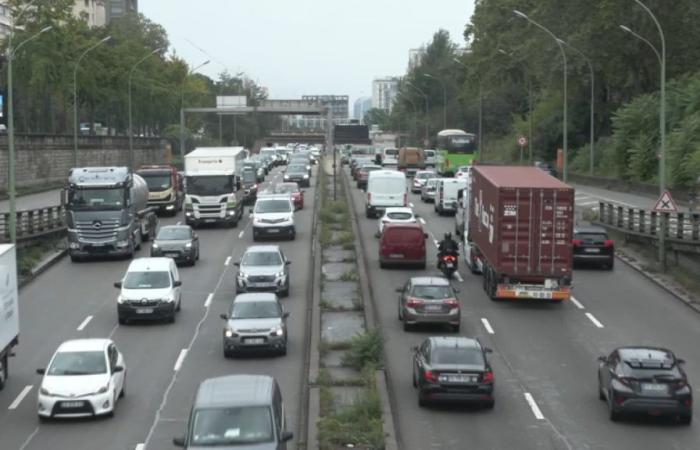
<point x="9" y="315"/>
<point x="213" y="191"/>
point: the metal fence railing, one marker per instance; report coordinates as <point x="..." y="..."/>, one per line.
<point x="34" y="223"/>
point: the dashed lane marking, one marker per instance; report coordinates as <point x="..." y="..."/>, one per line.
<point x="228" y="261"/>
<point x="411" y="205"/>
<point x="140" y="447"/>
<point x="533" y="406"/>
<point x="487" y="325"/>
<point x="577" y="303"/>
<point x="20" y="397"/>
<point x="422" y="220"/>
<point x="180" y="360"/>
<point x="437" y="244"/>
<point x="207" y="302"/>
<point x="84" y="323"/>
<point x="240" y="235"/>
<point x="595" y="321"/>
<point x="459" y="277"/>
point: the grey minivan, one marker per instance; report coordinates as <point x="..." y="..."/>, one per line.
<point x="237" y="412"/>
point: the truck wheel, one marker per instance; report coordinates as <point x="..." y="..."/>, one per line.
<point x="3" y="371"/>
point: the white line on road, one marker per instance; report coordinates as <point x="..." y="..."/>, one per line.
<point x="533" y="406"/>
<point x="84" y="323"/>
<point x="140" y="447"/>
<point x="29" y="439"/>
<point x="228" y="261"/>
<point x="207" y="302"/>
<point x="459" y="277"/>
<point x="411" y="205"/>
<point x="577" y="303"/>
<point x="437" y="244"/>
<point x="180" y="359"/>
<point x="595" y="321"/>
<point x="422" y="220"/>
<point x="487" y="325"/>
<point x="240" y="235"/>
<point x="20" y="397"/>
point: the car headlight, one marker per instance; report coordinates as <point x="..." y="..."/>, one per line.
<point x="286" y="177"/>
<point x="277" y="331"/>
<point x="154" y="246"/>
<point x="120" y="299"/>
<point x="279" y="275"/>
<point x="242" y="275"/>
<point x="188" y="245"/>
<point x="229" y="333"/>
<point x="44" y="391"/>
<point x="103" y="389"/>
<point x="169" y="299"/>
<point x="306" y="176"/>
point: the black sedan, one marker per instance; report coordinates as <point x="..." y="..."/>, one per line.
<point x="179" y="242"/>
<point x="297" y="173"/>
<point x="645" y="380"/>
<point x="593" y="246"/>
<point x="453" y="369"/>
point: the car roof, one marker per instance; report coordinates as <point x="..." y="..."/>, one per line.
<point x="262" y="248"/>
<point x="150" y="264"/>
<point x="644" y="353"/>
<point x="590" y="229"/>
<point x="402" y="225"/>
<point x="273" y="196"/>
<point x="399" y="209"/>
<point x="454" y="341"/>
<point x="84" y="345"/>
<point x="186" y="227"/>
<point x="255" y="297"/>
<point x="430" y="281"/>
<point x="235" y="390"/>
<point x="387" y="174"/>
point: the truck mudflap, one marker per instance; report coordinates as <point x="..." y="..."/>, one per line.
<point x="532" y="292"/>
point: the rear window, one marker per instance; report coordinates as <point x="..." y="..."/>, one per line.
<point x="399" y="215"/>
<point x="456" y="355"/>
<point x="429" y="152"/>
<point x="591" y="236"/>
<point x="389" y="185"/>
<point x="400" y="235"/>
<point x="391" y="152"/>
<point x="432" y="292"/>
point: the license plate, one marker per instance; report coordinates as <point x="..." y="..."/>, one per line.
<point x="171" y="254"/>
<point x="458" y="378"/>
<point x="209" y="220"/>
<point x="433" y="308"/>
<point x="255" y="341"/>
<point x="396" y="255"/>
<point x="144" y="310"/>
<point x="272" y="230"/>
<point x="72" y="405"/>
<point x="533" y="294"/>
<point x="98" y="244"/>
<point x="262" y="285"/>
<point x="654" y="387"/>
<point x="449" y="265"/>
<point x="591" y="250"/>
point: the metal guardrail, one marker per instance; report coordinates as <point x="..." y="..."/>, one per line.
<point x="34" y="223"/>
<point x="682" y="229"/>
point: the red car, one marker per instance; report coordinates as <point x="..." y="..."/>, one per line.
<point x="292" y="189"/>
<point x="402" y="243"/>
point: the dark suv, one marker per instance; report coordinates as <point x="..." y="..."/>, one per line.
<point x="593" y="246"/>
<point x="645" y="380"/>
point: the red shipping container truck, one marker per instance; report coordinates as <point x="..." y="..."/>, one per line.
<point x="521" y="225"/>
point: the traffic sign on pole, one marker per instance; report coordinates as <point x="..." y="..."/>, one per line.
<point x="522" y="141"/>
<point x="665" y="204"/>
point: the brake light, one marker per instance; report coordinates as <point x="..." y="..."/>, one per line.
<point x="609" y="243"/>
<point x="452" y="302"/>
<point x="430" y="376"/>
<point x="413" y="302"/>
<point x="449" y="258"/>
<point x="626" y="381"/>
<point x="487" y="377"/>
<point x="369" y="198"/>
<point x="577" y="242"/>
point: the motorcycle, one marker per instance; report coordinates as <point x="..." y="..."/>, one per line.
<point x="448" y="264"/>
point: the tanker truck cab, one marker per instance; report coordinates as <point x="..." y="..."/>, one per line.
<point x="164" y="190"/>
<point x="107" y="212"/>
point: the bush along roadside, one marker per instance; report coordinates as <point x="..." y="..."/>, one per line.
<point x="350" y="406"/>
<point x="37" y="255"/>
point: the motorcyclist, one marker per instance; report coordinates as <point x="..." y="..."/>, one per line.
<point x="447" y="246"/>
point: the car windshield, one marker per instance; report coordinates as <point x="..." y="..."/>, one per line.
<point x="457" y="356"/>
<point x="296" y="169"/>
<point x="399" y="215"/>
<point x="157" y="182"/>
<point x="209" y="185"/>
<point x="174" y="234"/>
<point x="255" y="310"/>
<point x="261" y="259"/>
<point x="96" y="199"/>
<point x="232" y="426"/>
<point x="590" y="236"/>
<point x="248" y="176"/>
<point x="272" y="206"/>
<point x="147" y="280"/>
<point x="425" y="175"/>
<point x="432" y="292"/>
<point x="78" y="363"/>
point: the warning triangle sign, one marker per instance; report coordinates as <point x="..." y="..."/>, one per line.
<point x="665" y="204"/>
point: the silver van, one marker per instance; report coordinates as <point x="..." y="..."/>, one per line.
<point x="237" y="411"/>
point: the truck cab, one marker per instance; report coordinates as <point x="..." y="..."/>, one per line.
<point x="164" y="188"/>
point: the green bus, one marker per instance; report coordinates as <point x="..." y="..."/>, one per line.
<point x="455" y="148"/>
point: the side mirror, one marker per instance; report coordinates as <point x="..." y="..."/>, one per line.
<point x="118" y="369"/>
<point x="179" y="441"/>
<point x="286" y="436"/>
<point x="177" y="283"/>
<point x="250" y="211"/>
<point x="456" y="290"/>
<point x="602" y="359"/>
<point x="425" y="235"/>
<point x="285" y="314"/>
<point x="195" y="237"/>
<point x="237" y="264"/>
<point x="680" y="360"/>
<point x="487" y="350"/>
<point x="399" y="290"/>
<point x="224" y="316"/>
<point x="287" y="263"/>
<point x="40" y="371"/>
<point x="417" y="216"/>
<point x="118" y="284"/>
<point x="414" y="348"/>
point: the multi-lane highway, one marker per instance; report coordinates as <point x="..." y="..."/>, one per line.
<point x="545" y="357"/>
<point x="165" y="362"/>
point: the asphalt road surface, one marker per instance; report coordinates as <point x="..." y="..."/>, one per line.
<point x="159" y="389"/>
<point x="545" y="356"/>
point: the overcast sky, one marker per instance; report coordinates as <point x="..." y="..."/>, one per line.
<point x="300" y="47"/>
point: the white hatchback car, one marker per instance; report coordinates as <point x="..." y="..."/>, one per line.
<point x="85" y="378"/>
<point x="396" y="215"/>
<point x="150" y="289"/>
<point x="463" y="172"/>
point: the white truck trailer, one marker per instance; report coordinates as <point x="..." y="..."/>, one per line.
<point x="9" y="314"/>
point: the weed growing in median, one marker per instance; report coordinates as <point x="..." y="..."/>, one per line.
<point x="366" y="351"/>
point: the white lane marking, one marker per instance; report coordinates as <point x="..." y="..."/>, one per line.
<point x="114" y="330"/>
<point x="487" y="325"/>
<point x="207" y="302"/>
<point x="595" y="321"/>
<point x="411" y="205"/>
<point x="84" y="323"/>
<point x="180" y="360"/>
<point x="140" y="447"/>
<point x="240" y="235"/>
<point x="437" y="244"/>
<point x="422" y="220"/>
<point x="29" y="439"/>
<point x="20" y="397"/>
<point x="459" y="277"/>
<point x="228" y="261"/>
<point x="533" y="406"/>
<point x="577" y="303"/>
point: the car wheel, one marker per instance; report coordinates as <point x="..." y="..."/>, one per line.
<point x="400" y="312"/>
<point x="122" y="393"/>
<point x="454" y="328"/>
<point x="407" y="326"/>
<point x="283" y="351"/>
<point x="382" y="265"/>
<point x="75" y="259"/>
<point x="611" y="266"/>
<point x="197" y="257"/>
<point x="228" y="353"/>
<point x="421" y="400"/>
<point x="44" y="419"/>
<point x="3" y="371"/>
<point x="171" y="319"/>
<point x="614" y="415"/>
<point x="293" y="235"/>
<point x="179" y="304"/>
<point x="121" y="320"/>
<point x="490" y="404"/>
<point x="415" y="382"/>
<point x="601" y="394"/>
<point x="686" y="419"/>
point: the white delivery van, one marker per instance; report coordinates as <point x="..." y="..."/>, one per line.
<point x="447" y="195"/>
<point x="390" y="157"/>
<point x="385" y="188"/>
<point x="9" y="314"/>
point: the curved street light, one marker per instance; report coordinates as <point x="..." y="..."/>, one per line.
<point x="427" y="110"/>
<point x="522" y="15"/>
<point x="76" y="125"/>
<point x="182" y="105"/>
<point x="444" y="97"/>
<point x="131" y="132"/>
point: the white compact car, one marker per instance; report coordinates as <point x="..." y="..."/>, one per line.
<point x="149" y="290"/>
<point x="463" y="172"/>
<point x="85" y="378"/>
<point x="396" y="215"/>
<point x="273" y="216"/>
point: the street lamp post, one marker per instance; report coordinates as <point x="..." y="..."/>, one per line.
<point x="480" y="120"/>
<point x="427" y="109"/>
<point x="415" y="112"/>
<point x="522" y="15"/>
<point x="182" y="107"/>
<point x="529" y="107"/>
<point x="11" y="52"/>
<point x="444" y="98"/>
<point x="131" y="131"/>
<point x="76" y="125"/>
<point x="662" y="120"/>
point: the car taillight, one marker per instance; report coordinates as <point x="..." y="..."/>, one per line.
<point x="369" y="198"/>
<point x="449" y="258"/>
<point x="609" y="243"/>
<point x="626" y="381"/>
<point x="405" y="199"/>
<point x="452" y="302"/>
<point x="679" y="384"/>
<point x="385" y="221"/>
<point x="430" y="376"/>
<point x="577" y="242"/>
<point x="487" y="377"/>
<point x="413" y="302"/>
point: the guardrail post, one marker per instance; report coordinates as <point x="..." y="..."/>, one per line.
<point x="610" y="214"/>
<point x="4" y="220"/>
<point x="695" y="227"/>
<point x="620" y="217"/>
<point x="31" y="218"/>
<point x="653" y="223"/>
<point x="630" y="219"/>
<point x="664" y="225"/>
<point x="642" y="220"/>
<point x="680" y="225"/>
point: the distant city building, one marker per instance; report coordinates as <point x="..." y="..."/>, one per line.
<point x="94" y="11"/>
<point x="5" y="19"/>
<point x="120" y="8"/>
<point x="415" y="57"/>
<point x="339" y="104"/>
<point x="314" y="124"/>
<point x="384" y="92"/>
<point x="360" y="107"/>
